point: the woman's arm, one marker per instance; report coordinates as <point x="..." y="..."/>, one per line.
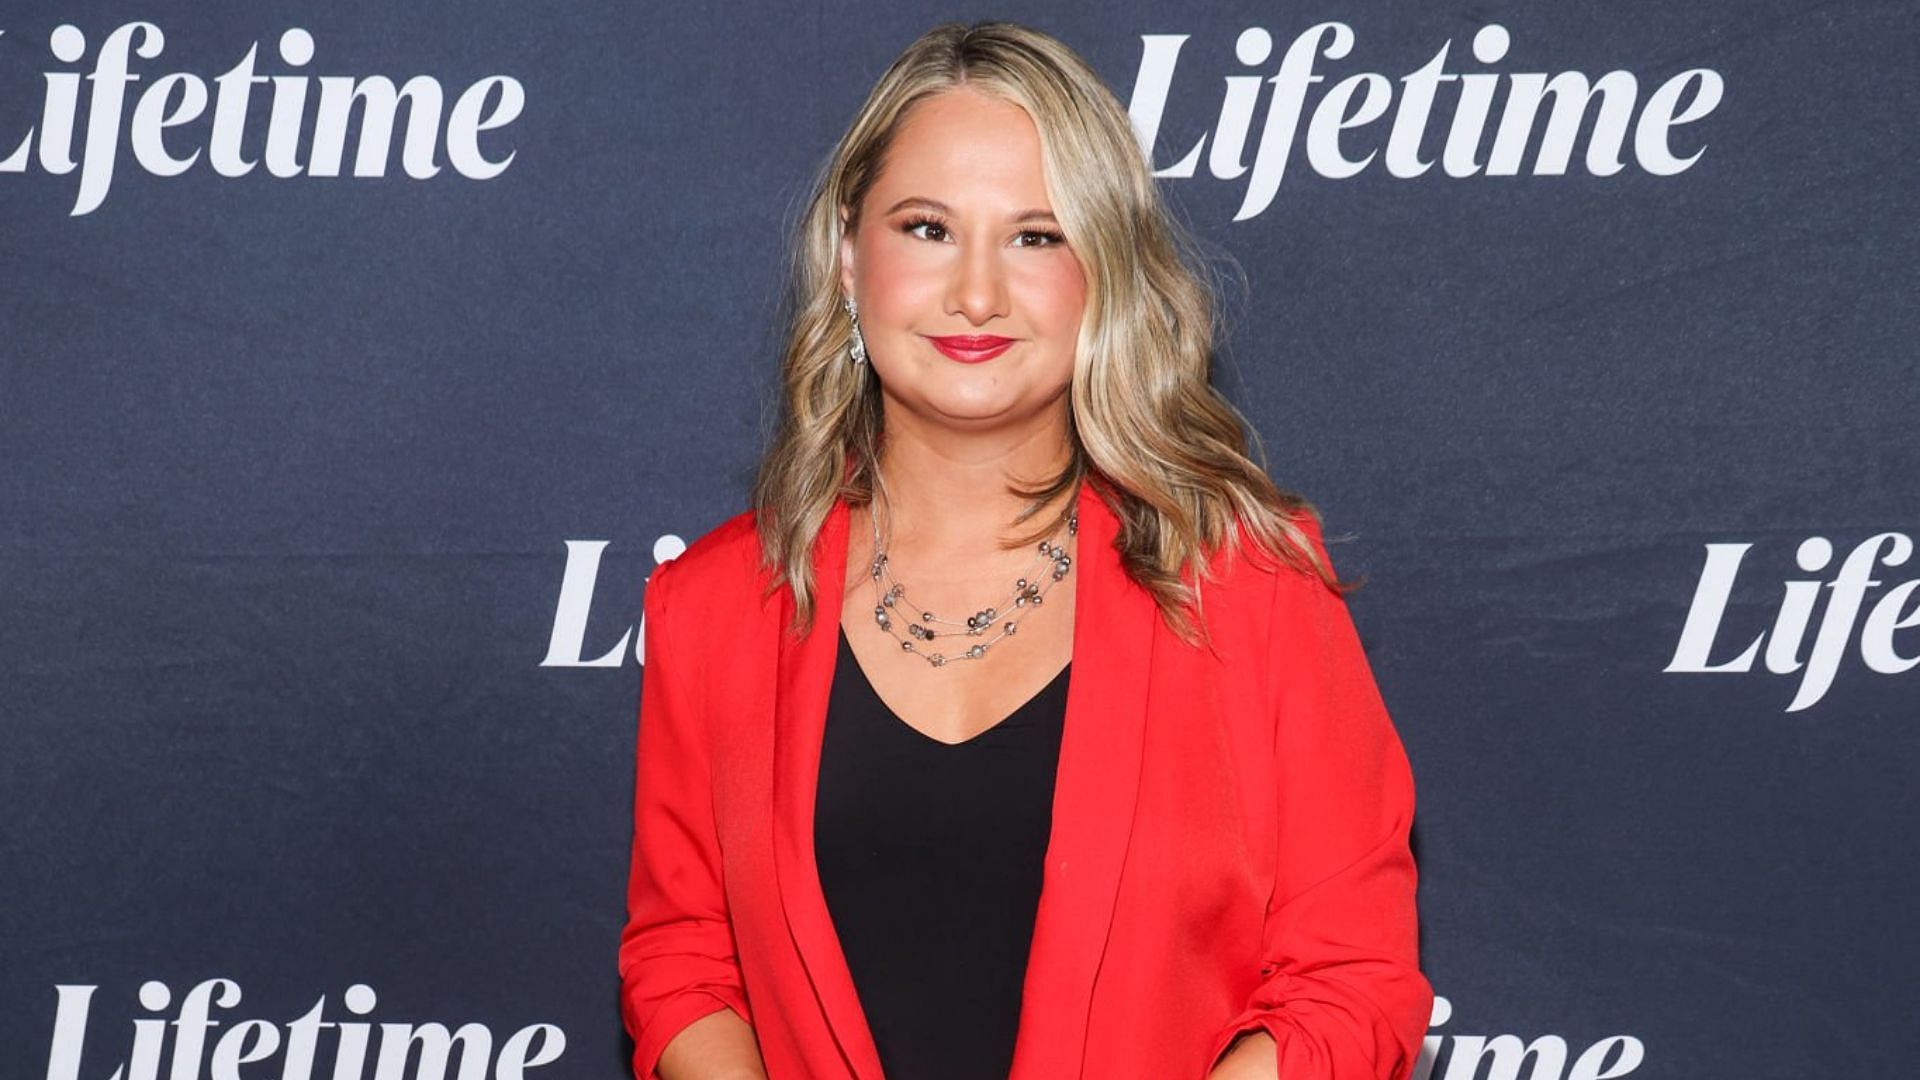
<point x="1341" y="996"/>
<point x="677" y="962"/>
<point x="718" y="1046"/>
<point x="1253" y="1056"/>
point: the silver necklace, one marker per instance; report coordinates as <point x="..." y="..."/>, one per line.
<point x="924" y="627"/>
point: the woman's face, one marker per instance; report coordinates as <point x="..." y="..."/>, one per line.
<point x="957" y="239"/>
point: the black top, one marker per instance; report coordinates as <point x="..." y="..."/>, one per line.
<point x="930" y="856"/>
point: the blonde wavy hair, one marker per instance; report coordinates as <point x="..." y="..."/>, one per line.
<point x="1166" y="451"/>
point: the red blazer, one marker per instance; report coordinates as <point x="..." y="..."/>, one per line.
<point x="1228" y="849"/>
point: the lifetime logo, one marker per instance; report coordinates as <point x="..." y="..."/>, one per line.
<point x="1893" y="610"/>
<point x="1447" y="1056"/>
<point x="567" y="644"/>
<point x="290" y="148"/>
<point x="398" y="1051"/>
<point x="1335" y="124"/>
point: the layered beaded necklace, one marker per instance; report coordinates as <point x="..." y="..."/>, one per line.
<point x="924" y="627"/>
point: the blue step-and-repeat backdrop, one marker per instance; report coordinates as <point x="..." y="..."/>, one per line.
<point x="358" y="361"/>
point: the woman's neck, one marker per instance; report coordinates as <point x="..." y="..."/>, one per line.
<point x="947" y="497"/>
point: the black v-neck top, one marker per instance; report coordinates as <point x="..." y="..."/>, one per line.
<point x="930" y="855"/>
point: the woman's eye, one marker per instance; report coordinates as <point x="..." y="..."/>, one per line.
<point x="928" y="229"/>
<point x="935" y="231"/>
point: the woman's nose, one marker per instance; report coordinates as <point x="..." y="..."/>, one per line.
<point x="979" y="288"/>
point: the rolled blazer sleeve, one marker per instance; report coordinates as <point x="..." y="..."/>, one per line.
<point x="677" y="955"/>
<point x="1341" y="991"/>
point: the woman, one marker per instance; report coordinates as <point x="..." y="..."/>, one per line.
<point x="1019" y="729"/>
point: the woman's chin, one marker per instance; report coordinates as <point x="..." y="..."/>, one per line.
<point x="974" y="409"/>
<point x="975" y="396"/>
<point x="976" y="413"/>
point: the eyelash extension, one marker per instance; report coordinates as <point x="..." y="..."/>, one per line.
<point x="1053" y="236"/>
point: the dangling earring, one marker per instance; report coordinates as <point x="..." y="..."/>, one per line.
<point x="858" y="350"/>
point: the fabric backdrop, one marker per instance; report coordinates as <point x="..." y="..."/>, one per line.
<point x="341" y="434"/>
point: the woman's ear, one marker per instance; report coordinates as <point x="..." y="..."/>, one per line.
<point x="846" y="256"/>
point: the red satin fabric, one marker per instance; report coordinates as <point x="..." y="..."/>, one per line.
<point x="1228" y="852"/>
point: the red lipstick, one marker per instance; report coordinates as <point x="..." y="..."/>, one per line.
<point x="972" y="348"/>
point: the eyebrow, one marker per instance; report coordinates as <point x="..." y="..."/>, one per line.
<point x="942" y="208"/>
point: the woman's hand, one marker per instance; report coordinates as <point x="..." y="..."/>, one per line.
<point x="1253" y="1056"/>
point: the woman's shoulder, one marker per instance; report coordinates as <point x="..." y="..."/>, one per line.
<point x="1251" y="585"/>
<point x="1246" y="559"/>
<point x="724" y="558"/>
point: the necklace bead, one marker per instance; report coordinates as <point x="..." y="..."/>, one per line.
<point x="1027" y="594"/>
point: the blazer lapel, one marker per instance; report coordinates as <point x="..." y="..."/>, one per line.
<point x="800" y="722"/>
<point x="1096" y="786"/>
